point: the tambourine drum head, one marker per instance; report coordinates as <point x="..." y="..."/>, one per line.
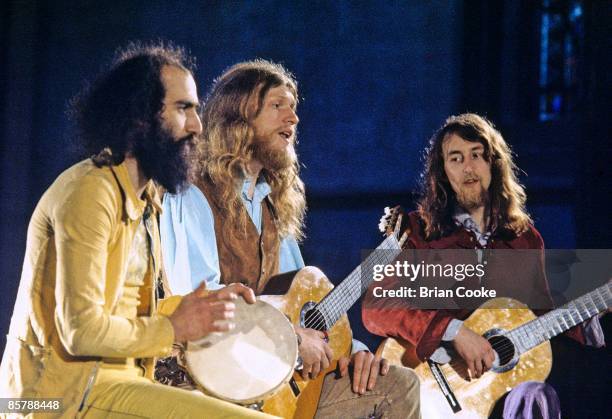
<point x="249" y="363"/>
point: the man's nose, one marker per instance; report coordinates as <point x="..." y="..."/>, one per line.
<point x="292" y="117"/>
<point x="467" y="167"/>
<point x="193" y="125"/>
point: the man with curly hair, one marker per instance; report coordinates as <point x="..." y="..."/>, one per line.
<point x="85" y="327"/>
<point x="241" y="220"/>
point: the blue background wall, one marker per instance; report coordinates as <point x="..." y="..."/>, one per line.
<point x="376" y="79"/>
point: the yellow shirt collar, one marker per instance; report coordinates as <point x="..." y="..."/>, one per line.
<point x="134" y="206"/>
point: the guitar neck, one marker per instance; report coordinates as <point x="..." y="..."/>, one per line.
<point x="342" y="297"/>
<point x="555" y="322"/>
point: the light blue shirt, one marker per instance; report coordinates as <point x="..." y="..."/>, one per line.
<point x="189" y="245"/>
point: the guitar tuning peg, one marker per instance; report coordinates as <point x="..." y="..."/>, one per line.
<point x="382" y="225"/>
<point x="403" y="239"/>
<point x="398" y="224"/>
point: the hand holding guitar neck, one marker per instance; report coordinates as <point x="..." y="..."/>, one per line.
<point x="315" y="352"/>
<point x="201" y="313"/>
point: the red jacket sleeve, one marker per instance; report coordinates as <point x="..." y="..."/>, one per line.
<point x="393" y="317"/>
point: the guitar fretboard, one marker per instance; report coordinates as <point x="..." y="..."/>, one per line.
<point x="341" y="298"/>
<point x="555" y="322"/>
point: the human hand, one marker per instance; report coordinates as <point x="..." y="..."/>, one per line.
<point x="366" y="368"/>
<point x="475" y="350"/>
<point x="201" y="313"/>
<point x="315" y="352"/>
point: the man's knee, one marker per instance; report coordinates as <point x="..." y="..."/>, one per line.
<point x="403" y="381"/>
<point x="402" y="389"/>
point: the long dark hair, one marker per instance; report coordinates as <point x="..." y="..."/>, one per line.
<point x="506" y="195"/>
<point x="123" y="104"/>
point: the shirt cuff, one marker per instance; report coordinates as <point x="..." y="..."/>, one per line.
<point x="358" y="347"/>
<point x="441" y="356"/>
<point x="164" y="334"/>
<point x="451" y="330"/>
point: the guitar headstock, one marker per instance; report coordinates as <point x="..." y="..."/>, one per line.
<point x="391" y="223"/>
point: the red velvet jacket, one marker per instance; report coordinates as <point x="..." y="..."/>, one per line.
<point x="424" y="328"/>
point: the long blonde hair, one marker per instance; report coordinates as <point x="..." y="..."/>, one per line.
<point x="506" y="195"/>
<point x="227" y="144"/>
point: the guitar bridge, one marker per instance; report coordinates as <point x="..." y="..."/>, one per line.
<point x="444" y="386"/>
<point x="294" y="387"/>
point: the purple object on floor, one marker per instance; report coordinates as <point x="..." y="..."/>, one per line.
<point x="532" y="400"/>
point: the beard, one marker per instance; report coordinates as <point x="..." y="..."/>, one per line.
<point x="164" y="158"/>
<point x="274" y="159"/>
<point x="470" y="200"/>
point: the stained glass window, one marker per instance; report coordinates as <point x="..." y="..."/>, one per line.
<point x="561" y="57"/>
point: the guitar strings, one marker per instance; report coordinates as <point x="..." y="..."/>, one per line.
<point x="506" y="348"/>
<point x="345" y="287"/>
<point x="341" y="297"/>
<point x="581" y="308"/>
<point x="537" y="329"/>
<point x="343" y="293"/>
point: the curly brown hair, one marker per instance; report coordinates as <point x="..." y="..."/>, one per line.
<point x="507" y="213"/>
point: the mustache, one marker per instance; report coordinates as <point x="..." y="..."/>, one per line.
<point x="187" y="139"/>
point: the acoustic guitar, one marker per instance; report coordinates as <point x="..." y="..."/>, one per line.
<point x="523" y="353"/>
<point x="312" y="302"/>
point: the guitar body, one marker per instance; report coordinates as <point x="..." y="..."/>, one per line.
<point x="308" y="285"/>
<point x="477" y="397"/>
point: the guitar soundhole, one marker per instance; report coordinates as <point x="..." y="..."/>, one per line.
<point x="504" y="348"/>
<point x="314" y="320"/>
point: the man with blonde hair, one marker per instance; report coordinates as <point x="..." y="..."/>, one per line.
<point x="240" y="220"/>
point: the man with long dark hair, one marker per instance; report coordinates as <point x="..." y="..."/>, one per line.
<point x="85" y="328"/>
<point x="471" y="199"/>
<point x="240" y="220"/>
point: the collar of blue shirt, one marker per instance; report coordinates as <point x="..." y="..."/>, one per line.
<point x="262" y="189"/>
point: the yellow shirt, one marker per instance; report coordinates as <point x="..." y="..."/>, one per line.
<point x="66" y="316"/>
<point x="133" y="300"/>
